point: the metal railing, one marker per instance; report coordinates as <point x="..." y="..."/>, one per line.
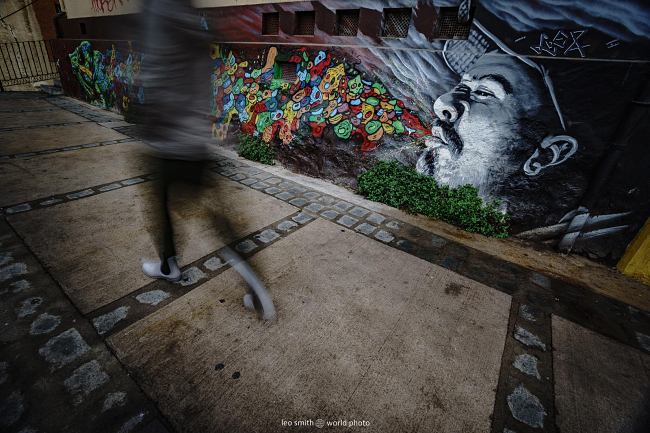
<point x="26" y="62"/>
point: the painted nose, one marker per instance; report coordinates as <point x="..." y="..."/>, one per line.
<point x="447" y="108"/>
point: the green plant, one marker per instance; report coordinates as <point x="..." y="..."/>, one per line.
<point x="402" y="187"/>
<point x="253" y="148"/>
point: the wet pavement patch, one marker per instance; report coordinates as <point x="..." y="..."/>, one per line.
<point x="44" y="324"/>
<point x="526" y="408"/>
<point x="85" y="380"/>
<point x="453" y="289"/>
<point x="106" y="322"/>
<point x="64" y="348"/>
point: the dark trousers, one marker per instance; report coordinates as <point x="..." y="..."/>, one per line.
<point x="169" y="172"/>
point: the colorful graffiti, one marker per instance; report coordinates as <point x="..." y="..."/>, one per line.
<point x="108" y="79"/>
<point x="317" y="90"/>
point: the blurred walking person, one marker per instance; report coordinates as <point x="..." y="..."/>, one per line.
<point x="176" y="78"/>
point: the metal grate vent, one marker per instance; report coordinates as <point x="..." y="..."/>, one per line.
<point x="305" y="23"/>
<point x="288" y="71"/>
<point x="347" y="22"/>
<point x="449" y="27"/>
<point x="270" y="23"/>
<point x="396" y="23"/>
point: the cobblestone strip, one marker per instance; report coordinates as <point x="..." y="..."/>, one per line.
<point x="119" y="314"/>
<point x="74" y="195"/>
<point x="56" y="374"/>
<point x="554" y="296"/>
<point x="80" y="110"/>
<point x="525" y="394"/>
<point x="64" y="149"/>
<point x="29" y="110"/>
<point x="49" y="125"/>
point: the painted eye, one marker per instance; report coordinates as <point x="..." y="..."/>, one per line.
<point x="483" y="94"/>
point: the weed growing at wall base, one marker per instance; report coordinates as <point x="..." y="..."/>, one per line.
<point x="253" y="148"/>
<point x="402" y="187"/>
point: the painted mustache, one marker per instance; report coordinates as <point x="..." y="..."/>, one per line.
<point x="449" y="136"/>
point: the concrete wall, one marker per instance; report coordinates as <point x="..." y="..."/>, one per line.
<point x="528" y="109"/>
<point x="21" y="26"/>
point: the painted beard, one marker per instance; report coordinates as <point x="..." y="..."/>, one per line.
<point x="450" y="162"/>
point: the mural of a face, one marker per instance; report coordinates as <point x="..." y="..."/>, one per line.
<point x="480" y="126"/>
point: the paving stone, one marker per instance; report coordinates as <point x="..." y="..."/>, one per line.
<point x="64" y="348"/>
<point x="528" y="338"/>
<point x="191" y="276"/>
<point x="263" y="175"/>
<point x="80" y="194"/>
<point x="20" y="286"/>
<point x="214" y="263"/>
<point x="393" y="225"/>
<point x="260" y="185"/>
<point x="311" y="195"/>
<point x="267" y="236"/>
<point x="249" y="181"/>
<point x="298" y="201"/>
<point x="314" y="207"/>
<point x="329" y="214"/>
<point x="297" y="189"/>
<point x="384" y="236"/>
<point x="114" y="399"/>
<point x="106" y="322"/>
<point x="286" y="185"/>
<point x="284" y="195"/>
<point x="438" y="242"/>
<point x="527" y="364"/>
<point x="273" y="180"/>
<point x="110" y="187"/>
<point x="12" y="408"/>
<point x="131" y="423"/>
<point x="132" y="181"/>
<point x="327" y="199"/>
<point x="6" y="257"/>
<point x="51" y="201"/>
<point x="28" y="306"/>
<point x="526" y="407"/>
<point x="347" y="221"/>
<point x="285" y="226"/>
<point x="238" y="177"/>
<point x="302" y="218"/>
<point x="527" y="312"/>
<point x="364" y="228"/>
<point x="44" y="324"/>
<point x="246" y="246"/>
<point x="644" y="341"/>
<point x="540" y="280"/>
<point x="23" y="207"/>
<point x="375" y="218"/>
<point x="11" y="271"/>
<point x="272" y="190"/>
<point x="153" y="297"/>
<point x="358" y="211"/>
<point x="343" y="206"/>
<point x="85" y="380"/>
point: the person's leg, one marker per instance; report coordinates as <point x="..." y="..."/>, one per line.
<point x="160" y="225"/>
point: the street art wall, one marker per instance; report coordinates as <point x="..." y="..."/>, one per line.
<point x="275" y="99"/>
<point x="109" y="78"/>
<point x="528" y="103"/>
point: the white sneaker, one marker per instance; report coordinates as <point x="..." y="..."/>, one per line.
<point x="152" y="269"/>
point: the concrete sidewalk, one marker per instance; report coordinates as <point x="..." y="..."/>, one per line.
<point x="387" y="321"/>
